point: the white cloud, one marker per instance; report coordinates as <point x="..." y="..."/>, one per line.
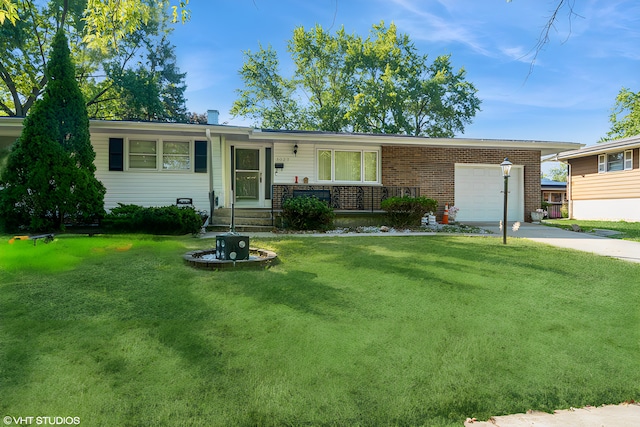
<point x="518" y="53"/>
<point x="430" y="27"/>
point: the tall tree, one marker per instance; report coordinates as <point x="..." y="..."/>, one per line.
<point x="8" y="11"/>
<point x="557" y="173"/>
<point x="268" y="98"/>
<point x="153" y="91"/>
<point x="323" y="74"/>
<point x="50" y="174"/>
<point x="343" y="82"/>
<point x="625" y="116"/>
<point x="102" y="47"/>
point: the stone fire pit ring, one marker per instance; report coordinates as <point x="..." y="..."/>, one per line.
<point x="206" y="259"/>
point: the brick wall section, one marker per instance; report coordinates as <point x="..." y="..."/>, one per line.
<point x="433" y="170"/>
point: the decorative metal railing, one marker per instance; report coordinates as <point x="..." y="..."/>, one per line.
<point x="342" y="197"/>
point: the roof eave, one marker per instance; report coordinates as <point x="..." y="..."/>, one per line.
<point x="545" y="147"/>
<point x="603" y="147"/>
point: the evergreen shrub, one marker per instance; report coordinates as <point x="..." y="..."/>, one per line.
<point x="48" y="179"/>
<point x="154" y="220"/>
<point x="307" y="213"/>
<point x="407" y="211"/>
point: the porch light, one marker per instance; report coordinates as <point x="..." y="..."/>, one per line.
<point x="506" y="168"/>
<point x="295" y="149"/>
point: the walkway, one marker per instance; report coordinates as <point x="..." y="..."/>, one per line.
<point x="588" y="242"/>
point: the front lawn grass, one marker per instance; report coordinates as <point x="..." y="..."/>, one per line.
<point x="628" y="230"/>
<point x="404" y="330"/>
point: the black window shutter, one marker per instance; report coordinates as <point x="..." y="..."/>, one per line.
<point x="116" y="154"/>
<point x="200" y="162"/>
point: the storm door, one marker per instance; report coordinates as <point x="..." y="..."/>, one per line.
<point x="249" y="182"/>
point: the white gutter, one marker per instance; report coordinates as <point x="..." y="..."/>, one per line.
<point x="545" y="147"/>
<point x="601" y="148"/>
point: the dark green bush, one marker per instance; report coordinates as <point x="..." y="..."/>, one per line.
<point x="407" y="211"/>
<point x="307" y="213"/>
<point x="155" y="220"/>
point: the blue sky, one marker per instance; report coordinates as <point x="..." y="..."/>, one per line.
<point x="567" y="96"/>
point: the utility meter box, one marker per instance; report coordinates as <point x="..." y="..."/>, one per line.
<point x="232" y="247"/>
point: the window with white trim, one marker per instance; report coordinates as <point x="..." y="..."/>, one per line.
<point x="628" y="160"/>
<point x="143" y="154"/>
<point x="347" y="165"/>
<point x="176" y="156"/>
<point x="618" y="161"/>
<point x="159" y="155"/>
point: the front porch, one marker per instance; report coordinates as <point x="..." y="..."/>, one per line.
<point x="363" y="198"/>
<point x="353" y="205"/>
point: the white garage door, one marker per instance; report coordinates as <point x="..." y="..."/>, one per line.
<point x="479" y="193"/>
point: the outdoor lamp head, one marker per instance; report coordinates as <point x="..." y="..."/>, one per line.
<point x="506" y="167"/>
<point x="295" y="149"/>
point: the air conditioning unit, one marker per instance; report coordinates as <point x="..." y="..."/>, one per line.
<point x="232" y="247"/>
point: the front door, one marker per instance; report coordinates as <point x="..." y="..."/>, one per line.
<point x="249" y="176"/>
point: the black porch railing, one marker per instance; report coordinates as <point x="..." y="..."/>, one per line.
<point x="342" y="197"/>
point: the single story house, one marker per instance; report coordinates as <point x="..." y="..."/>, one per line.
<point x="154" y="164"/>
<point x="604" y="180"/>
<point x="555" y="194"/>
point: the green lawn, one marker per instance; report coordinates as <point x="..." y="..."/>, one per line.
<point x="344" y="331"/>
<point x="629" y="230"/>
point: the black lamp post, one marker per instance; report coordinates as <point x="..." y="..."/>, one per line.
<point x="506" y="168"/>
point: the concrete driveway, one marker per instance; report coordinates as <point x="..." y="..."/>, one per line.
<point x="625" y="415"/>
<point x="587" y="242"/>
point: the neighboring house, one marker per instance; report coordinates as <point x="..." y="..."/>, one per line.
<point x="604" y="181"/>
<point x="153" y="164"/>
<point x="555" y="194"/>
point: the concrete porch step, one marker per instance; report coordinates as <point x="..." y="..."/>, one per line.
<point x="240" y="228"/>
<point x="243" y="218"/>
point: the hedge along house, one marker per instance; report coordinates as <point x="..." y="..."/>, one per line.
<point x="604" y="181"/>
<point x="154" y="164"/>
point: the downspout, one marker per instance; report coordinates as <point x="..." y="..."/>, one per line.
<point x="212" y="201"/>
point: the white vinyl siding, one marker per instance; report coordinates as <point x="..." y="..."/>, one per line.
<point x="148" y="187"/>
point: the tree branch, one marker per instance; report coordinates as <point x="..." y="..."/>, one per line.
<point x="35" y="92"/>
<point x="544" y="37"/>
<point x="6" y="77"/>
